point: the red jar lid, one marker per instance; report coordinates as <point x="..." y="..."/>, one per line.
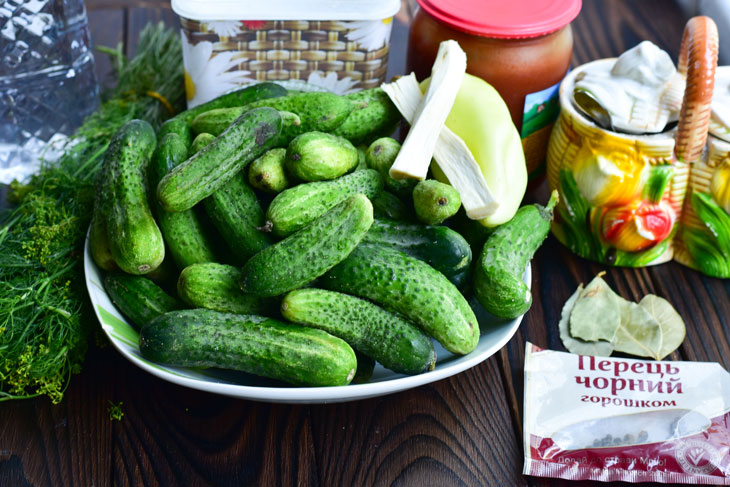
<point x="503" y="18"/>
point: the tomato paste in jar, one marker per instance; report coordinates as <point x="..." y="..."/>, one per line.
<point x="521" y="47"/>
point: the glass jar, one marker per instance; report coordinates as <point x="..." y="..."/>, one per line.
<point x="524" y="56"/>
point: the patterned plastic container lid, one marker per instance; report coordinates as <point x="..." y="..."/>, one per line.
<point x="286" y="9"/>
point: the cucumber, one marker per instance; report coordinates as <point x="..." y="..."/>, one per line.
<point x="215" y="286"/>
<point x="236" y="98"/>
<point x="249" y="343"/>
<point x="403" y="284"/>
<point x="200" y="142"/>
<point x="374" y="116"/>
<point x="498" y="283"/>
<point x="296" y="207"/>
<point x="384" y="336"/>
<point x="434" y="202"/>
<point x="388" y="205"/>
<point x="186" y="239"/>
<point x="99" y="243"/>
<point x="236" y="213"/>
<point x="179" y="127"/>
<point x="365" y="368"/>
<point x="267" y="172"/>
<point x="380" y="155"/>
<point x="304" y="256"/>
<point x="138" y="298"/>
<point x="322" y="112"/>
<point x="316" y="156"/>
<point x="440" y="247"/>
<point x="135" y="241"/>
<point x="200" y="176"/>
<point x="361" y="161"/>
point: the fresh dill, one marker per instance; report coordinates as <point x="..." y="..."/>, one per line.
<point x="45" y="316"/>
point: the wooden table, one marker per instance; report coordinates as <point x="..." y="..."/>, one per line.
<point x="465" y="430"/>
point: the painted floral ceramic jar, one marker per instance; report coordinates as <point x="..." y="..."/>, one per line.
<point x="622" y="195"/>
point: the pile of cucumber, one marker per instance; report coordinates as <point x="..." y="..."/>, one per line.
<point x="261" y="232"/>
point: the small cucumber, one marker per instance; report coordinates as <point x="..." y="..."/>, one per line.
<point x="374" y="116"/>
<point x="304" y="256"/>
<point x="498" y="283"/>
<point x="183" y="233"/>
<point x="99" y="244"/>
<point x="204" y="338"/>
<point x="179" y="127"/>
<point x="296" y="207"/>
<point x="388" y="205"/>
<point x="322" y="112"/>
<point x="135" y="240"/>
<point x="238" y="98"/>
<point x="384" y="336"/>
<point x="200" y="176"/>
<point x="365" y="368"/>
<point x="267" y="172"/>
<point x="138" y="298"/>
<point x="215" y="286"/>
<point x="440" y="247"/>
<point x="403" y="284"/>
<point x="316" y="156"/>
<point x="236" y="213"/>
<point x="380" y="155"/>
<point x="435" y="202"/>
<point x="200" y="142"/>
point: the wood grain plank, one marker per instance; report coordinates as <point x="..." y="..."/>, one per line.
<point x="453" y="432"/>
<point x="172" y="435"/>
<point x="60" y="445"/>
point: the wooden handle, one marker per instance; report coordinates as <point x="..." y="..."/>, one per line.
<point x="697" y="62"/>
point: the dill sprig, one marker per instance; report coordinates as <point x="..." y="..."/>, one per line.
<point x="45" y="316"/>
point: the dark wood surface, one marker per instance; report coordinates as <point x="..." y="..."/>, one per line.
<point x="465" y="430"/>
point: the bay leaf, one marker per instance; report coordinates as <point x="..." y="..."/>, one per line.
<point x="596" y="314"/>
<point x="671" y="324"/>
<point x="576" y="345"/>
<point x="639" y="333"/>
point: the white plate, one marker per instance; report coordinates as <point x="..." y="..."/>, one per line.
<point x="495" y="334"/>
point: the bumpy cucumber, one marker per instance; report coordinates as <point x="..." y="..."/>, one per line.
<point x="215" y="286"/>
<point x="185" y="237"/>
<point x="403" y="284"/>
<point x="99" y="244"/>
<point x="498" y="283"/>
<point x="267" y="173"/>
<point x="236" y="213"/>
<point x="135" y="240"/>
<point x="254" y="344"/>
<point x="296" y="207"/>
<point x="374" y="116"/>
<point x="138" y="298"/>
<point x="304" y="256"/>
<point x="384" y="336"/>
<point x="322" y="112"/>
<point x="440" y="247"/>
<point x="434" y="201"/>
<point x="198" y="177"/>
<point x="178" y="126"/>
<point x="316" y="156"/>
<point x="388" y="205"/>
<point x="200" y="142"/>
<point x="380" y="155"/>
<point x="238" y="98"/>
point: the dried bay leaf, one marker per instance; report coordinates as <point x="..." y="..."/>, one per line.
<point x="597" y="312"/>
<point x="576" y="345"/>
<point x="639" y="334"/>
<point x="671" y="324"/>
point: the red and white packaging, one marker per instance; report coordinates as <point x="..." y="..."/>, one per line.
<point x="618" y="419"/>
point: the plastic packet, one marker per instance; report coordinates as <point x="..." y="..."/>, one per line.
<point x="617" y="419"/>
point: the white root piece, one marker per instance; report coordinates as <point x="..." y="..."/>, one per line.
<point x="453" y="156"/>
<point x="446" y="76"/>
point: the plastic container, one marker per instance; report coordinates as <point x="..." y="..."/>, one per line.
<point x="339" y="45"/>
<point x="522" y="48"/>
<point x="47" y="80"/>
